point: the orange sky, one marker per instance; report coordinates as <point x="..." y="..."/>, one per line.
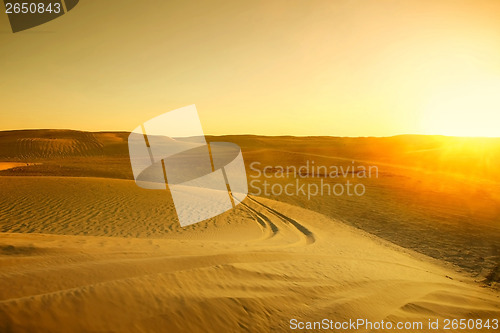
<point x="341" y="68"/>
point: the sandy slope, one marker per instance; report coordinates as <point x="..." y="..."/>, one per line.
<point x="251" y="269"/>
<point x="437" y="195"/>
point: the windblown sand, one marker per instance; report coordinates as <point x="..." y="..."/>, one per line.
<point x="102" y="255"/>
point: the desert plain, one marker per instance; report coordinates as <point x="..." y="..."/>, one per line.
<point x="83" y="249"/>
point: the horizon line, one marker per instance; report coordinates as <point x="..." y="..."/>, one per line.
<point x="261" y="135"/>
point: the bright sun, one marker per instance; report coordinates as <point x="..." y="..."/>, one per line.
<point x="470" y="109"/>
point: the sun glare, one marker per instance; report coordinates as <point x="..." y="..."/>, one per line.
<point x="471" y="109"/>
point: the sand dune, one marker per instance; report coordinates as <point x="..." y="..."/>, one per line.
<point x="466" y="157"/>
<point x="250" y="269"/>
<point x="83" y="249"/>
<point x="50" y="144"/>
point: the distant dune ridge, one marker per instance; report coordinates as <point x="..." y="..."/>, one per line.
<point x="470" y="157"/>
<point x="82" y="248"/>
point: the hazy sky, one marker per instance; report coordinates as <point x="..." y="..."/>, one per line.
<point x="342" y="68"/>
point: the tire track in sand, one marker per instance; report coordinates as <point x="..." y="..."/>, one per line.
<point x="304" y="233"/>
